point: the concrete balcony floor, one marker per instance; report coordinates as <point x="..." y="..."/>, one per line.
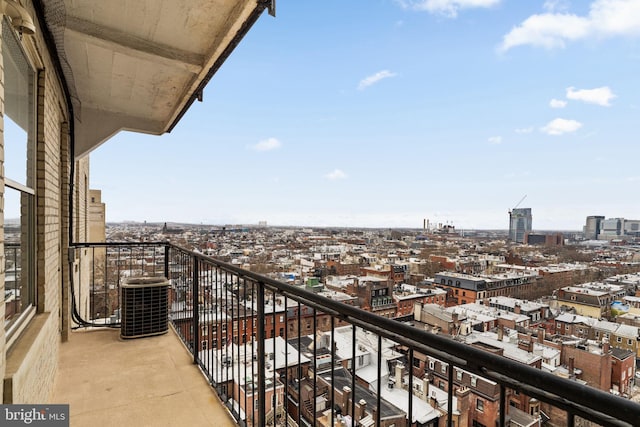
<point x="108" y="381"/>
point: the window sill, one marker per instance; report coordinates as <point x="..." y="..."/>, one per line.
<point x="20" y="350"/>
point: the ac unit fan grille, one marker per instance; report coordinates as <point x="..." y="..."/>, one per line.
<point x="144" y="308"/>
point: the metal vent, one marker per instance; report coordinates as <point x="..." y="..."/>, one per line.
<point x="145" y="308"/>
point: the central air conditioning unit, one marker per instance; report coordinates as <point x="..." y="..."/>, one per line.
<point x="145" y="307"/>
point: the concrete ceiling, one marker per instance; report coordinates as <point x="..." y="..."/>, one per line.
<point x="139" y="64"/>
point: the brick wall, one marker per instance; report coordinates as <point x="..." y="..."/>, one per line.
<point x="29" y="366"/>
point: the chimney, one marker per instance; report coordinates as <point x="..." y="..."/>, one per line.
<point x="433" y="402"/>
<point x="516" y="309"/>
<point x="361" y="409"/>
<point x="571" y="367"/>
<point x="425" y="388"/>
<point x="530" y="347"/>
<point x="541" y="335"/>
<point x="500" y="332"/>
<point x="346" y="392"/>
<point x="464" y="404"/>
<point x="606" y="347"/>
<point x="399" y="369"/>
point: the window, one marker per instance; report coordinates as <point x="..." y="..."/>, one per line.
<point x="474" y="381"/>
<point x="619" y="339"/>
<point x="432" y="365"/>
<point x="480" y="405"/>
<point x="458" y="375"/>
<point x="204" y="345"/>
<point x="443" y="368"/>
<point x="19" y="167"/>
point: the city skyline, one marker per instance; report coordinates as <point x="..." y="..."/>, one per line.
<point x="381" y="114"/>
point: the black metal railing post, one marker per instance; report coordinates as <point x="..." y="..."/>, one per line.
<point x="503" y="405"/>
<point x="196" y="310"/>
<point x="193" y="273"/>
<point x="261" y="353"/>
<point x="450" y="394"/>
<point x="166" y="262"/>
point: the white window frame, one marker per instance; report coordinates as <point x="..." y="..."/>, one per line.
<point x="26" y="190"/>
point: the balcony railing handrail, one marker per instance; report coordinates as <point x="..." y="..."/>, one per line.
<point x="517" y="375"/>
<point x="584" y="401"/>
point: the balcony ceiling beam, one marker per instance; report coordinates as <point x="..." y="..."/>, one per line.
<point x="135" y="47"/>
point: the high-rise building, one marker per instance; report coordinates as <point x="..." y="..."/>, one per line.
<point x="519" y="223"/>
<point x="97" y="226"/>
<point x="592" y="227"/>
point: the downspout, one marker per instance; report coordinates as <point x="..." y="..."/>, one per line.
<point x="53" y="51"/>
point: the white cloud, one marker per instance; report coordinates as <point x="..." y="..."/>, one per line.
<point x="267" y="145"/>
<point x="525" y="130"/>
<point x="599" y="96"/>
<point x="557" y="103"/>
<point x="561" y="126"/>
<point x="606" y="18"/>
<point x="495" y="140"/>
<point x="375" y="78"/>
<point x="556" y="5"/>
<point x="336" y="175"/>
<point x="448" y="8"/>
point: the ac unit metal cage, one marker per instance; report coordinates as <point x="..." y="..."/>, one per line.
<point x="145" y="310"/>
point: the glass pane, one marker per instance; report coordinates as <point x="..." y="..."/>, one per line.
<point x="19" y="109"/>
<point x="19" y="288"/>
<point x="15" y="152"/>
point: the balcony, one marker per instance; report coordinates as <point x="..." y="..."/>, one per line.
<point x="108" y="381"/>
<point x="268" y="368"/>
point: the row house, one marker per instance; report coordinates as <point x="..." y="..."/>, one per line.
<point x="573" y="325"/>
<point x="617" y="335"/>
<point x="436" y="318"/>
<point x="407" y="296"/>
<point x="620" y="336"/>
<point x="464" y="288"/>
<point x="634" y="304"/>
<point x="483" y="395"/>
<point x="492" y="317"/>
<point x="282" y="361"/>
<point x="585" y="301"/>
<point x="374" y="294"/>
<point x="537" y="312"/>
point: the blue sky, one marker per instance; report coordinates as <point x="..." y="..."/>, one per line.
<point x="380" y="113"/>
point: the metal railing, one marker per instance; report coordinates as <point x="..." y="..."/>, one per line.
<point x="280" y="355"/>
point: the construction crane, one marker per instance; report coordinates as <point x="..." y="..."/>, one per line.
<point x="517" y="204"/>
<point x="510" y="217"/>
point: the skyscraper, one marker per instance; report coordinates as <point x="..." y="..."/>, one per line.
<point x="519" y="223"/>
<point x="592" y="227"/>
